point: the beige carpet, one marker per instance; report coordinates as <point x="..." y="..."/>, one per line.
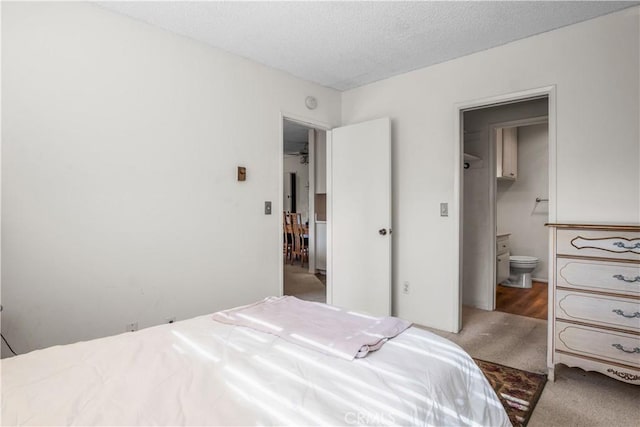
<point x="302" y="284"/>
<point x="576" y="398"/>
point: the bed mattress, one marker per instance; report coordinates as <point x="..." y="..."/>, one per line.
<point x="201" y="372"/>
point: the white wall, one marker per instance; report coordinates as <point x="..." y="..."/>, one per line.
<point x="320" y="250"/>
<point x="321" y="162"/>
<point x="292" y="165"/>
<point x="120" y="143"/>
<point x="478" y="235"/>
<point x="517" y="210"/>
<point x="595" y="66"/>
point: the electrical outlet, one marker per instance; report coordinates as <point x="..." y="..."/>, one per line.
<point x="405" y="288"/>
<point x="170" y="319"/>
<point x="132" y="327"/>
<point x="267" y="208"/>
<point x="444" y="209"/>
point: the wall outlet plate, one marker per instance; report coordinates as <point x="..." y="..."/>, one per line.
<point x="406" y="288"/>
<point x="132" y="327"/>
<point x="444" y="209"/>
<point x="267" y="208"/>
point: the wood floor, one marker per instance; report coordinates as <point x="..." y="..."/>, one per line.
<point x="525" y="302"/>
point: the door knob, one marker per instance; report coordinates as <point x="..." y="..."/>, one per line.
<point x="382" y="231"/>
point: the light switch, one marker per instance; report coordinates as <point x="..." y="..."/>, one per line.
<point x="444" y="209"/>
<point x="267" y="208"/>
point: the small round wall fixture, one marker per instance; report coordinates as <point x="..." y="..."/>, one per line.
<point x="311" y="102"/>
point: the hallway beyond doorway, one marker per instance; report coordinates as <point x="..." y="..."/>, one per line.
<point x="298" y="282"/>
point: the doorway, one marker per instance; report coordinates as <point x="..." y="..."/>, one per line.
<point x="521" y="200"/>
<point x="304" y="211"/>
<point x="357" y="198"/>
<point x="486" y="203"/>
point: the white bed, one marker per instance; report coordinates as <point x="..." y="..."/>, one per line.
<point x="201" y="372"/>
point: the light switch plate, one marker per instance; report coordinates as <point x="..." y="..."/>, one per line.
<point x="444" y="209"/>
<point x="267" y="208"/>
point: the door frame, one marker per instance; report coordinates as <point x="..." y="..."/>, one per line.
<point x="311" y="123"/>
<point x="458" y="181"/>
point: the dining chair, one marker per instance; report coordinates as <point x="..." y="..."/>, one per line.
<point x="287" y="238"/>
<point x="301" y="243"/>
<point x="295" y="243"/>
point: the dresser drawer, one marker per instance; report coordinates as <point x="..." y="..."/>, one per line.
<point x="598" y="243"/>
<point x="613" y="346"/>
<point x="601" y="276"/>
<point x="606" y="311"/>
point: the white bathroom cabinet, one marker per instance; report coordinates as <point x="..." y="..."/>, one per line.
<point x="507" y="153"/>
<point x="502" y="254"/>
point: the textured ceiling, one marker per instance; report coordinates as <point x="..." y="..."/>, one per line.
<point x="347" y="44"/>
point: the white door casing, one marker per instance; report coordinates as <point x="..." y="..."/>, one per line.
<point x="359" y="217"/>
<point x="457" y="206"/>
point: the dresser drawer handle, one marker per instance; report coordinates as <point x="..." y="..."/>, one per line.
<point x="628" y="316"/>
<point x="620" y="347"/>
<point x="624" y="279"/>
<point x="623" y="246"/>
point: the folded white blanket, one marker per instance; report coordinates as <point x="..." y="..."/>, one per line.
<point x="318" y="326"/>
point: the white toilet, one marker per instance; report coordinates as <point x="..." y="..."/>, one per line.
<point x="521" y="268"/>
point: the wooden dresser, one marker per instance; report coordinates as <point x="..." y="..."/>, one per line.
<point x="594" y="299"/>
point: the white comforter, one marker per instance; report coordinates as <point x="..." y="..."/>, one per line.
<point x="201" y="372"/>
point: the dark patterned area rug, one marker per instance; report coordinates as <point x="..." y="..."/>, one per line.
<point x="518" y="390"/>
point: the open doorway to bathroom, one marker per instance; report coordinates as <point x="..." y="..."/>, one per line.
<point x="505" y="207"/>
<point x="522" y="210"/>
<point x="304" y="211"/>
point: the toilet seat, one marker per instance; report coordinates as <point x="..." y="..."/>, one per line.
<point x="523" y="258"/>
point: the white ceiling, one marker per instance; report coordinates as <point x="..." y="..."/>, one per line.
<point x="343" y="45"/>
<point x="296" y="137"/>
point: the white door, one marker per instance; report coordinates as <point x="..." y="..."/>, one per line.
<point x="359" y="204"/>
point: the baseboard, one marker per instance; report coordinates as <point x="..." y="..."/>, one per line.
<point x="481" y="305"/>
